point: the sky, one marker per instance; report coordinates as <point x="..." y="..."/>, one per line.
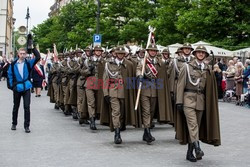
<point x="39" y="10"/>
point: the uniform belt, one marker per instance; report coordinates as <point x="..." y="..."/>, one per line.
<point x="199" y="91"/>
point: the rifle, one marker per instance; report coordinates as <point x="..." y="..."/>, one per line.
<point x="151" y="31"/>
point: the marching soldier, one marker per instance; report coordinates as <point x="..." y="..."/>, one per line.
<point x="69" y="99"/>
<point x="54" y="87"/>
<point x="73" y="73"/>
<point x="197" y="99"/>
<point x="81" y="94"/>
<point x="154" y="92"/>
<point x="179" y="52"/>
<point x="167" y="61"/>
<point x="140" y="55"/>
<point x="184" y="56"/>
<point x="115" y="91"/>
<point x="64" y="85"/>
<point x="93" y="88"/>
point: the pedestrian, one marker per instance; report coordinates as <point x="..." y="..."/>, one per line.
<point x="197" y="104"/>
<point x="239" y="81"/>
<point x="229" y="73"/>
<point x="38" y="77"/>
<point x="246" y="76"/>
<point x="220" y="64"/>
<point x="19" y="82"/>
<point x="218" y="75"/>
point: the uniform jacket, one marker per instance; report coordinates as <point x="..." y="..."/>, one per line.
<point x="190" y="95"/>
<point x="209" y="131"/>
<point x="125" y="73"/>
<point x="161" y="91"/>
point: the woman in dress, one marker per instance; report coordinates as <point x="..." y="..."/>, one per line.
<point x="239" y="81"/>
<point x="230" y="75"/>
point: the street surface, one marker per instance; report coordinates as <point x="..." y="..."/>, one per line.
<point x="59" y="141"/>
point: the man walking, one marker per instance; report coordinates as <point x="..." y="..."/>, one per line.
<point x="19" y="82"/>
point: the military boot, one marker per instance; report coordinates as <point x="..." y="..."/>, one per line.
<point x="56" y="106"/>
<point x="74" y="113"/>
<point x="190" y="156"/>
<point x="199" y="158"/>
<point x="67" y="110"/>
<point x="83" y="121"/>
<point x="117" y="139"/>
<point x="147" y="136"/>
<point x="62" y="107"/>
<point x="199" y="153"/>
<point x="92" y="124"/>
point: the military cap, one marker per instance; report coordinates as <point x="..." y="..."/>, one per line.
<point x="178" y="50"/>
<point x="78" y="50"/>
<point x="201" y="48"/>
<point x="112" y="50"/>
<point x="98" y="48"/>
<point x="187" y="45"/>
<point x="120" y="49"/>
<point x="87" y="48"/>
<point x="166" y="50"/>
<point x="60" y="55"/>
<point x="152" y="47"/>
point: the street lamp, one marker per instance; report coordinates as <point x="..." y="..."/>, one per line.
<point x="98" y="17"/>
<point x="27" y="18"/>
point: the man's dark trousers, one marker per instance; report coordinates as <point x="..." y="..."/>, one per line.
<point x="26" y="105"/>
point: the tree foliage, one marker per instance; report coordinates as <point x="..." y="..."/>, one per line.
<point x="224" y="23"/>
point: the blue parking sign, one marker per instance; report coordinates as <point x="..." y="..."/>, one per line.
<point x="97" y="38"/>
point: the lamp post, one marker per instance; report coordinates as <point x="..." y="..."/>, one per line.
<point x="98" y="17"/>
<point x="27" y="18"/>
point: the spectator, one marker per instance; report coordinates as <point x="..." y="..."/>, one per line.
<point x="239" y="81"/>
<point x="5" y="68"/>
<point x="19" y="82"/>
<point x="246" y="76"/>
<point x="230" y="75"/>
<point x="235" y="60"/>
<point x="220" y="64"/>
<point x="218" y="75"/>
<point x="224" y="65"/>
<point x="1" y="67"/>
<point x="38" y="76"/>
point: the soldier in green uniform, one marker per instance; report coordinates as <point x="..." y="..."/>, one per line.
<point x="93" y="88"/>
<point x="81" y="94"/>
<point x="184" y="56"/>
<point x="154" y="92"/>
<point x="196" y="86"/>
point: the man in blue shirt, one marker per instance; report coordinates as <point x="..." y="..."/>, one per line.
<point x="19" y="82"/>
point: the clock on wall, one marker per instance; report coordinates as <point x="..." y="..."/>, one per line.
<point x="21" y="40"/>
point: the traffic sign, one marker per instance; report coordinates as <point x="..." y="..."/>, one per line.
<point x="97" y="38"/>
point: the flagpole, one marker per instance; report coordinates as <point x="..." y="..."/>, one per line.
<point x="151" y="31"/>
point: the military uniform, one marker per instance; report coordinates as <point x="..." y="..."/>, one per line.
<point x="64" y="85"/>
<point x="178" y="63"/>
<point x="191" y="90"/>
<point x="55" y="70"/>
<point x="92" y="85"/>
<point x="81" y="94"/>
<point x="153" y="87"/>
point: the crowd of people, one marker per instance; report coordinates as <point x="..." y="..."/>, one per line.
<point x="120" y="88"/>
<point x="233" y="80"/>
